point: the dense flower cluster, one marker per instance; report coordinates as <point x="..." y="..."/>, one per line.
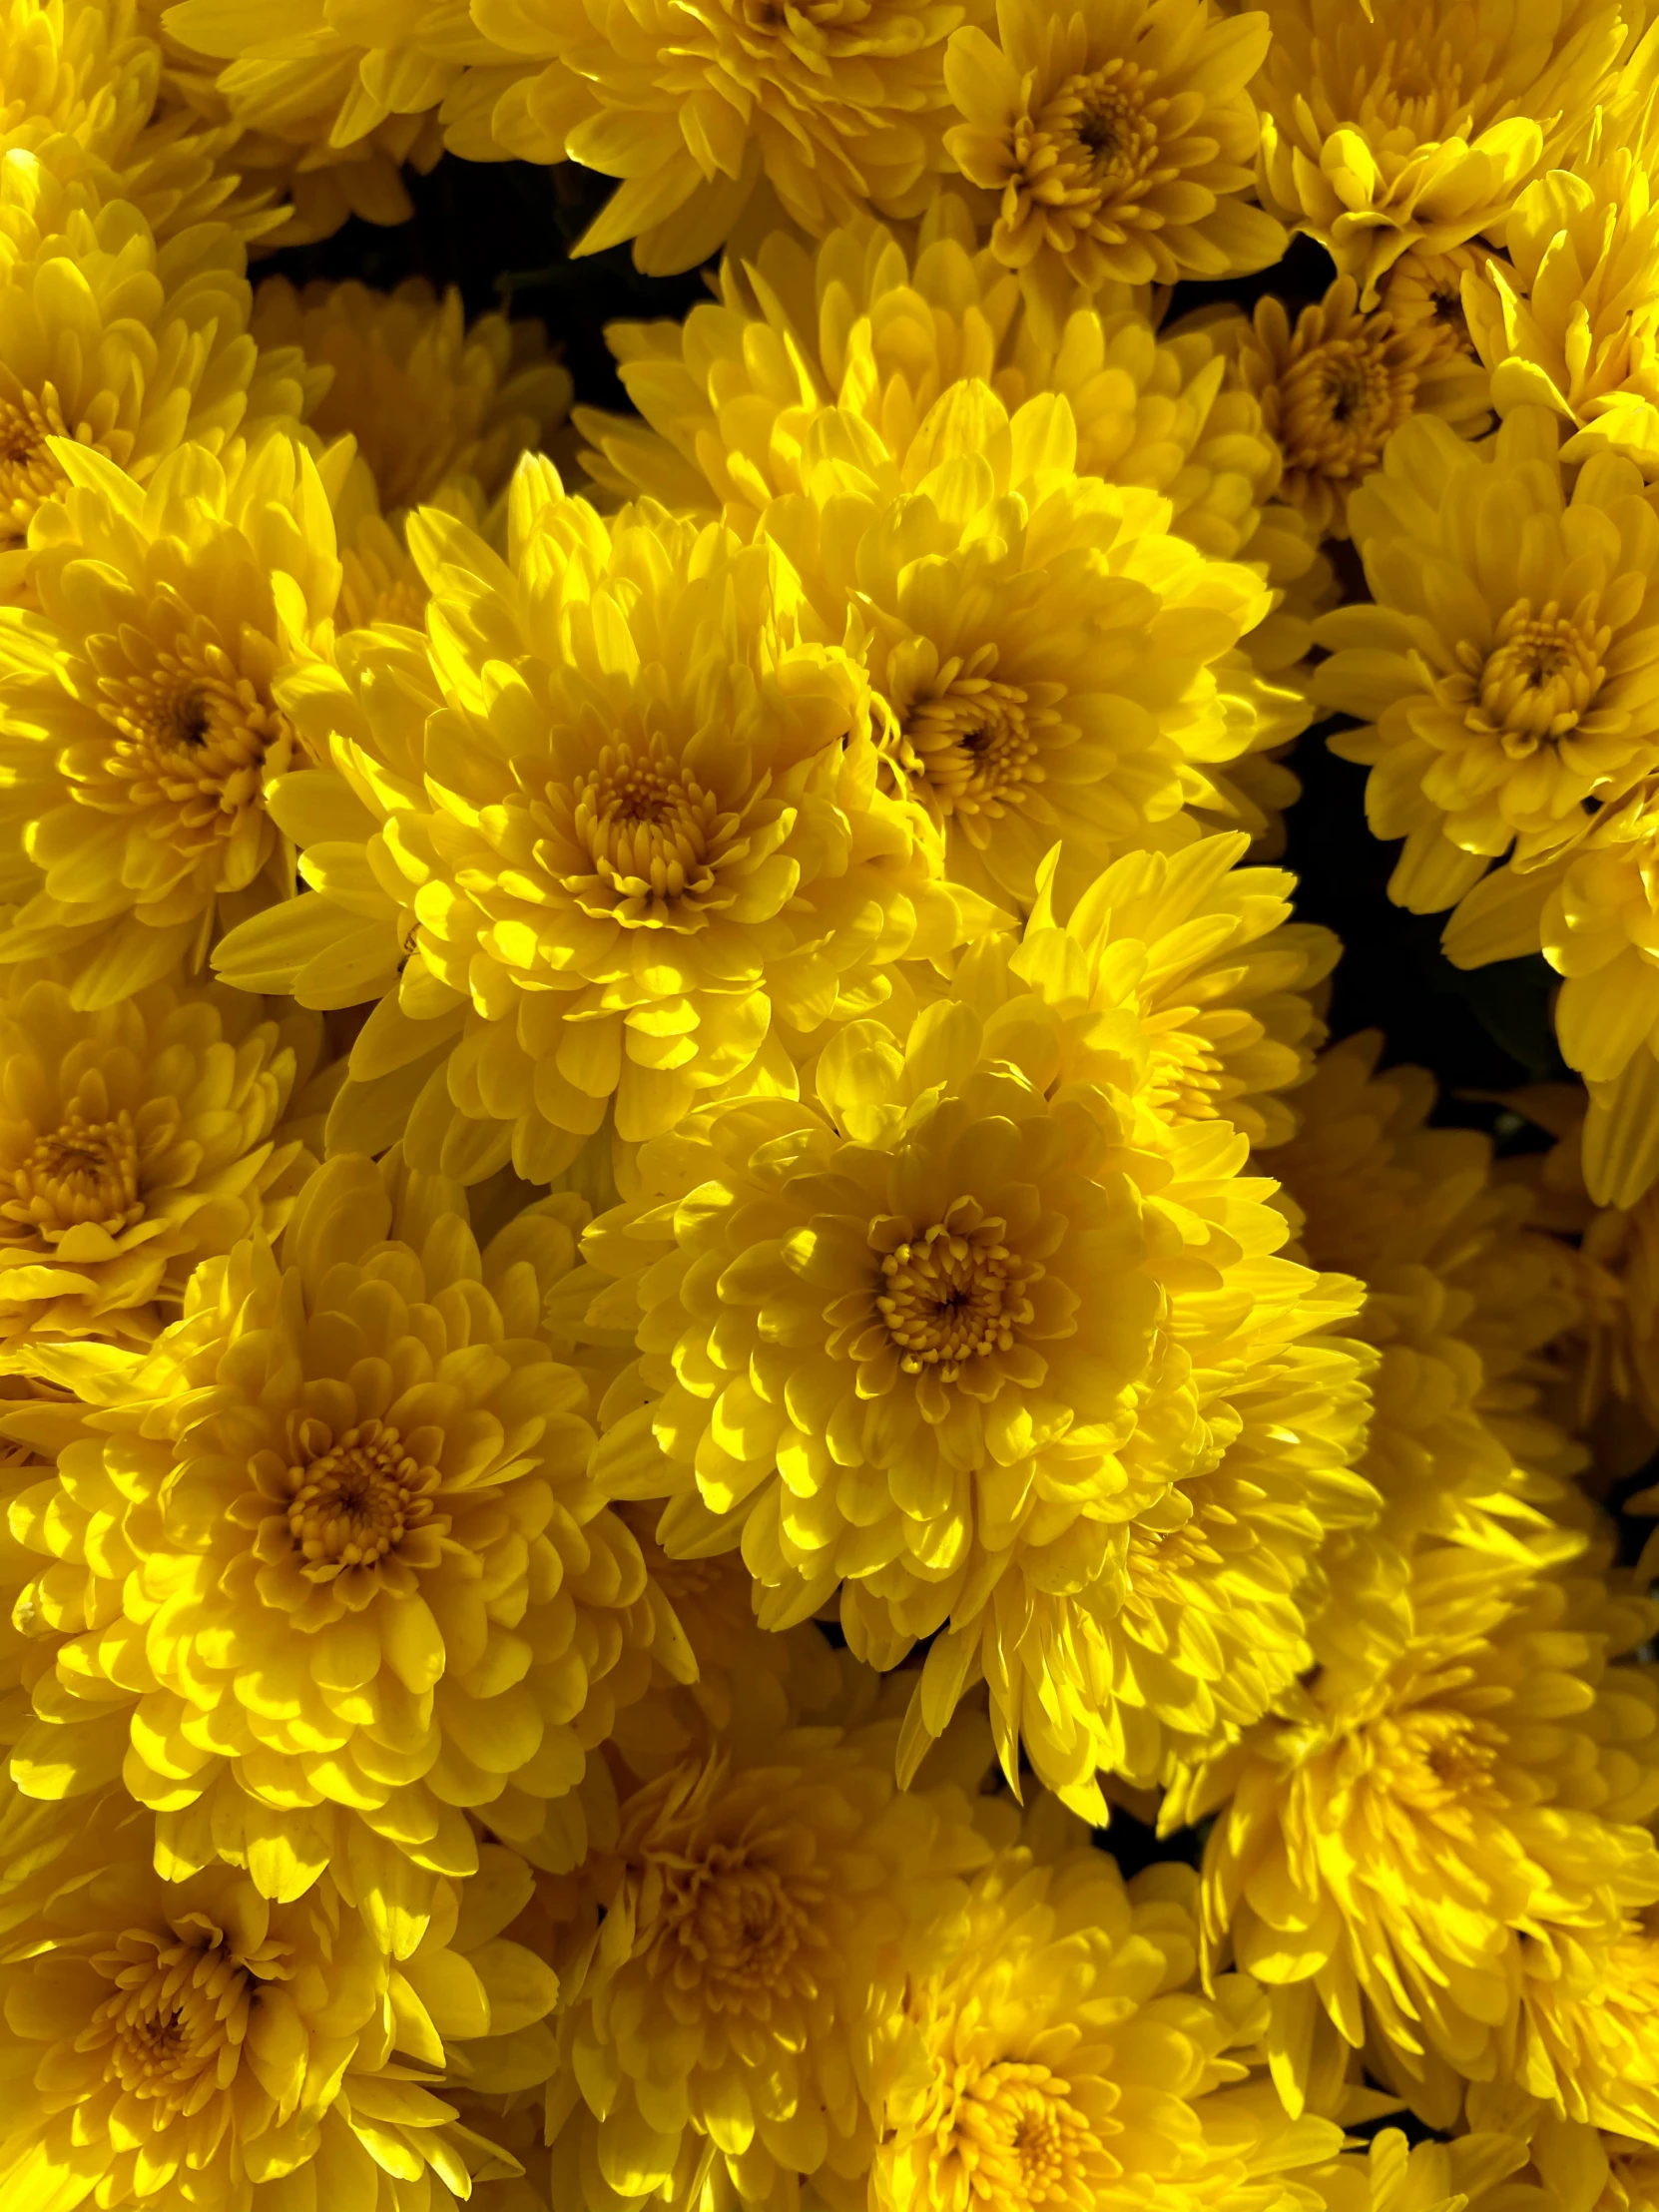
<point x="739" y="1475"/>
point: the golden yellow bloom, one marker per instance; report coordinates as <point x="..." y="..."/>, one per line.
<point x="1462" y="1294"/>
<point x="1217" y="974"/>
<point x="626" y="824"/>
<point x="427" y="398"/>
<point x="193" y="2044"/>
<point x="134" y="1143"/>
<point x="1043" y="652"/>
<point x="1068" y="2058"/>
<point x="281" y="178"/>
<point x="1502" y="671"/>
<point x="1416" y="1828"/>
<point x="696" y="104"/>
<point x="1583" y="2040"/>
<point x="1415" y="125"/>
<point x="882" y="332"/>
<point x="1120" y="137"/>
<point x="348" y="93"/>
<point x="139" y="723"/>
<point x="81" y="84"/>
<point x="1593" y="914"/>
<point x="991" y="1353"/>
<point x="1572" y="323"/>
<point x="1335" y="387"/>
<point x="126" y="348"/>
<point x="324" y="1569"/>
<point x="767" y="1898"/>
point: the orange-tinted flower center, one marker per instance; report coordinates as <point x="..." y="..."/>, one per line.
<point x="85" y="1171"/>
<point x="355" y="1501"/>
<point x="956" y="1294"/>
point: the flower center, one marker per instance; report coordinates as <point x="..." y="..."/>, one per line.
<point x="1434" y="1756"/>
<point x="28" y="473"/>
<point x="1339" y="400"/>
<point x="956" y="1294"/>
<point x="178" y="2013"/>
<point x="973" y="747"/>
<point x="1538" y="680"/>
<point x="653" y="835"/>
<point x="193" y="734"/>
<point x="1023" y="2143"/>
<point x="1092" y="152"/>
<point x="85" y="1171"/>
<point x="738" y="1930"/>
<point x="355" y="1501"/>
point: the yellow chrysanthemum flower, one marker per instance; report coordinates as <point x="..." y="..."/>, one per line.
<point x="427" y="398"/>
<point x="128" y="348"/>
<point x="1416" y="126"/>
<point x="1500" y="671"/>
<point x="190" y="2044"/>
<point x="625" y="823"/>
<point x="336" y="98"/>
<point x="1068" y="2057"/>
<point x="1571" y="321"/>
<point x="881" y="332"/>
<point x="769" y="1898"/>
<point x="1593" y="914"/>
<point x="1119" y="136"/>
<point x="338" y="1572"/>
<point x="1335" y="386"/>
<point x="1219" y="977"/>
<point x="134" y="1143"/>
<point x="81" y="82"/>
<point x="694" y="104"/>
<point x="1461" y="1295"/>
<point x="743" y="404"/>
<point x="139" y="723"/>
<point x="1414" y="1829"/>
<point x="1043" y="654"/>
<point x="991" y="1354"/>
<point x="1583" y="2040"/>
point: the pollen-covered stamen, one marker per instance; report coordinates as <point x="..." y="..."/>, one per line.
<point x="1540" y="679"/>
<point x="1023" y="2143"/>
<point x="191" y="736"/>
<point x="28" y="472"/>
<point x="84" y="1171"/>
<point x="354" y="1501"/>
<point x="954" y="1295"/>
